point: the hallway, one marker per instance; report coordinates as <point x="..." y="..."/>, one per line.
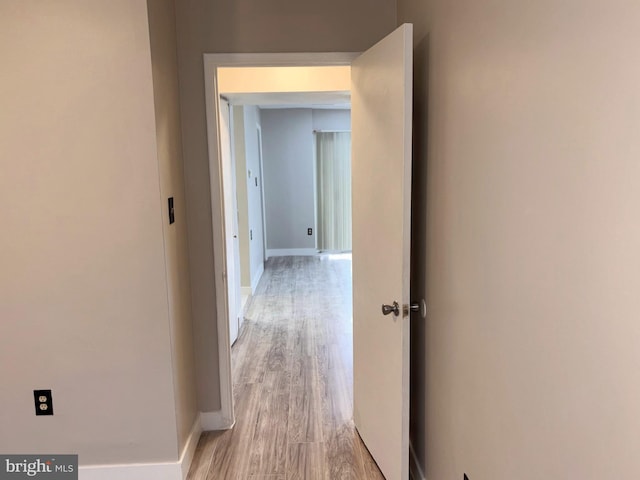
<point x="293" y="386"/>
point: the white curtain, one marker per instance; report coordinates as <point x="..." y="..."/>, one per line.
<point x="333" y="157"/>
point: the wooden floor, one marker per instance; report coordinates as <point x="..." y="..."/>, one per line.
<point x="292" y="373"/>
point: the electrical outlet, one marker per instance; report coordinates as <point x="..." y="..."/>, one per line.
<point x="43" y="402"/>
<point x="309" y="231"/>
<point x="250" y="234"/>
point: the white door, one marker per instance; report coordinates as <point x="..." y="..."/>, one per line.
<point x="381" y="99"/>
<point x="237" y="281"/>
<point x="232" y="243"/>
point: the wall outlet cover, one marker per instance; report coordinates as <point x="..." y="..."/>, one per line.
<point x="43" y="402"/>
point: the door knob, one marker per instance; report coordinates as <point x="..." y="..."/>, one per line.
<point x="387" y="309"/>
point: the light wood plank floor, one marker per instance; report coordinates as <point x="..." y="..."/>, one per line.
<point x="293" y="382"/>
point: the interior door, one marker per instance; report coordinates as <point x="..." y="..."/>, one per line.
<point x="381" y="102"/>
<point x="237" y="281"/>
<point x="232" y="243"/>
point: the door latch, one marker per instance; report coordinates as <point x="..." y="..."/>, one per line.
<point x="415" y="307"/>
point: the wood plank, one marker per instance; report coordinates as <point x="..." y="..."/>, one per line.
<point x="235" y="445"/>
<point x="342" y="454"/>
<point x="369" y="466"/>
<point x="252" y="364"/>
<point x="305" y="405"/>
<point x="306" y="461"/>
<point x="269" y="442"/>
<point x="277" y="354"/>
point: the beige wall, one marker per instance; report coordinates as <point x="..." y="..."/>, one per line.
<point x="164" y="65"/>
<point x="528" y="366"/>
<point x="83" y="306"/>
<point x="227" y="26"/>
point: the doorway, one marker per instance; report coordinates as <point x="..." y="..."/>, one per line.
<point x="330" y="69"/>
<point x="295" y="350"/>
<point x="381" y="95"/>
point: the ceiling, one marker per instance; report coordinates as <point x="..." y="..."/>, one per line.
<point x="326" y="100"/>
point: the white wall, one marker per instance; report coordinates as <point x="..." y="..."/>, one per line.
<point x="331" y="119"/>
<point x="289" y="171"/>
<point x="252" y="122"/>
<point x="526" y="239"/>
<point x="246" y="122"/>
<point x="83" y="282"/>
<point x="287" y="145"/>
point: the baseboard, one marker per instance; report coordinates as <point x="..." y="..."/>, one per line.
<point x="415" y="472"/>
<point x="189" y="449"/>
<point x="215" y="421"/>
<point x="251" y="289"/>
<point x="287" y="252"/>
<point x="256" y="278"/>
<point x="144" y="471"/>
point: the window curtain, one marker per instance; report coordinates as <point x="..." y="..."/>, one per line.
<point x="333" y="159"/>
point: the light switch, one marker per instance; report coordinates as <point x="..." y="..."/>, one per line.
<point x="172" y="215"/>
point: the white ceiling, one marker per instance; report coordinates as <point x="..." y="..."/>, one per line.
<point x="333" y="100"/>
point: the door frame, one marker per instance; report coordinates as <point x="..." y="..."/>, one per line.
<point x="212" y="61"/>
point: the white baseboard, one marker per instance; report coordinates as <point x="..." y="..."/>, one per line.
<point x="415" y="472"/>
<point x="257" y="275"/>
<point x="189" y="449"/>
<point x="286" y="252"/>
<point x="256" y="278"/>
<point x="215" y="421"/>
<point x="145" y="471"/>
